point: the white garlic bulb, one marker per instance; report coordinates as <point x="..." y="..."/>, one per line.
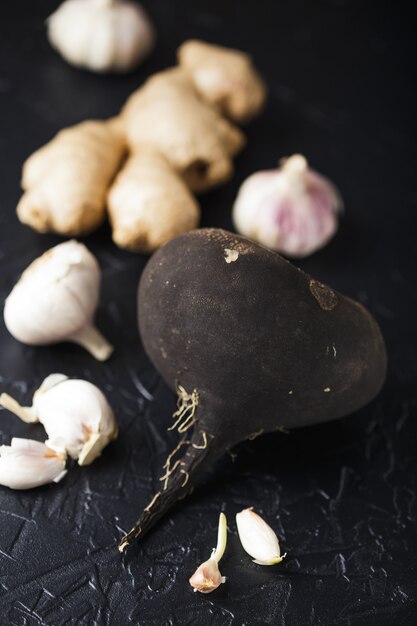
<point x="74" y="413"/>
<point x="258" y="539"/>
<point x="101" y="35"/>
<point x="292" y="210"/>
<point x="55" y="300"/>
<point x="27" y="463"/>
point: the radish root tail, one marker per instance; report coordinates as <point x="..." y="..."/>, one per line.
<point x="181" y="471"/>
<point x="167" y="465"/>
<point x="186" y="407"/>
<point x="178" y="480"/>
<point x="202" y="446"/>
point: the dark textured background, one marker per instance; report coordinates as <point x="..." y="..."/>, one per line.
<point x="342" y="496"/>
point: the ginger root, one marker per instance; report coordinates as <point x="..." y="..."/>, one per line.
<point x="66" y="181"/>
<point x="168" y="115"/>
<point x="225" y="78"/>
<point x="177" y="140"/>
<point x="149" y="204"/>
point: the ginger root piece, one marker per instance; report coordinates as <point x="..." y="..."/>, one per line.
<point x="224" y="77"/>
<point x="173" y="127"/>
<point x="167" y="115"/>
<point x="66" y="181"/>
<point x="149" y="204"/>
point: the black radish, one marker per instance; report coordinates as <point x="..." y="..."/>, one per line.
<point x="252" y="345"/>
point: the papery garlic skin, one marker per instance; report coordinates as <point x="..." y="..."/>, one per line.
<point x="55" y="300"/>
<point x="257" y="538"/>
<point x="26" y="464"/>
<point x="207" y="576"/>
<point x="292" y="210"/>
<point x="74" y="413"/>
<point x="101" y="35"/>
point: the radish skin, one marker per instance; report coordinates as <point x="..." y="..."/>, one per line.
<point x="251" y="346"/>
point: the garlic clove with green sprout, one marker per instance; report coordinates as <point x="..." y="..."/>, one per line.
<point x="207" y="576"/>
<point x="55" y="300"/>
<point x="257" y="538"/>
<point x="27" y="463"/>
<point x="292" y="210"/>
<point x="101" y="35"/>
<point x="74" y="413"/>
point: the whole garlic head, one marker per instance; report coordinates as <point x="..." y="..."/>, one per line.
<point x="75" y="414"/>
<point x="55" y="300"/>
<point x="292" y="210"/>
<point x="101" y="35"/>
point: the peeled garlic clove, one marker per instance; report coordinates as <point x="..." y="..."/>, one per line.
<point x="55" y="300"/>
<point x="257" y="538"/>
<point x="101" y="35"/>
<point x="74" y="413"/>
<point x="207" y="576"/>
<point x="27" y="463"/>
<point x="292" y="210"/>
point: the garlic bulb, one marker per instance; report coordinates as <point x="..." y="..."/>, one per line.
<point x="101" y="35"/>
<point x="207" y="576"/>
<point x="257" y="538"/>
<point x="292" y="210"/>
<point x="27" y="463"/>
<point x="55" y="300"/>
<point x="74" y="413"/>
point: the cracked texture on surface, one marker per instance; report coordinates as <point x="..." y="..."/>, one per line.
<point x="341" y="496"/>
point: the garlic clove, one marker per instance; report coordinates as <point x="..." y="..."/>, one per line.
<point x="258" y="539"/>
<point x="92" y="448"/>
<point x="74" y="413"/>
<point x="96" y="441"/>
<point x="101" y="35"/>
<point x="27" y="463"/>
<point x="207" y="576"/>
<point x="292" y="210"/>
<point x="55" y="300"/>
<point x="49" y="382"/>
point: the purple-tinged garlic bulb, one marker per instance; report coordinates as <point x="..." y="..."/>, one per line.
<point x="292" y="210"/>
